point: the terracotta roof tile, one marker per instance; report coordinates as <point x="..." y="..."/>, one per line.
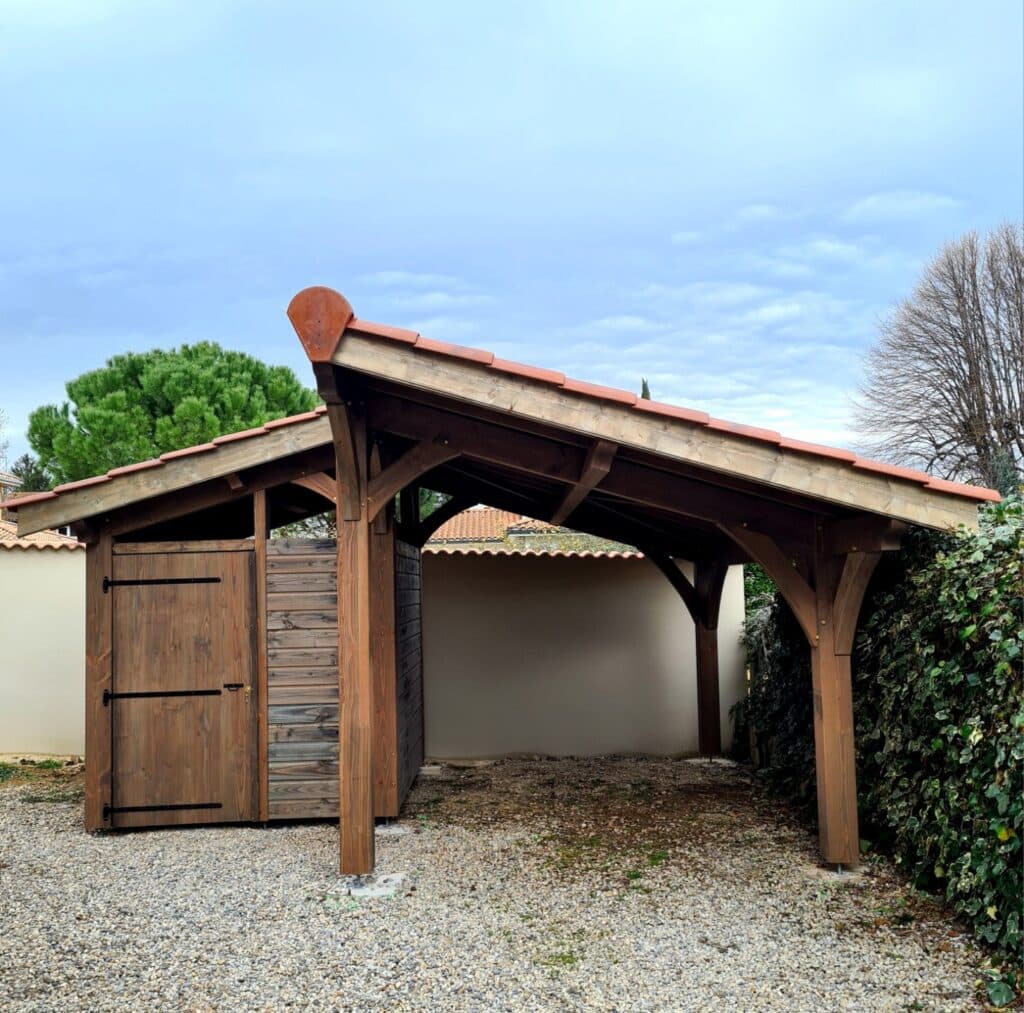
<point x="672" y="411"/>
<point x="817" y="450"/>
<point x="9" y="539"/>
<point x="598" y="392"/>
<point x="478" y="524"/>
<point x="455" y="351"/>
<point x="750" y="432"/>
<point x="384" y="331"/>
<point x="461" y="550"/>
<point x="202" y="448"/>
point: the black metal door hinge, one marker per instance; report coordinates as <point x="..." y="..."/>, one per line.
<point x="108" y="583"/>
<point x="108" y="696"/>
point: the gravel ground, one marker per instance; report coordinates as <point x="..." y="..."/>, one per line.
<point x="612" y="884"/>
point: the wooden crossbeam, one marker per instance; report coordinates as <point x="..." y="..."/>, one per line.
<point x="596" y="466"/>
<point x="416" y="461"/>
<point x="564" y="463"/>
<point x="779" y="567"/>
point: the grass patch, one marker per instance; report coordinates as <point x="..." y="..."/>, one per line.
<point x="562" y="958"/>
<point x="656" y="858"/>
<point x="7" y="771"/>
<point x="73" y="793"/>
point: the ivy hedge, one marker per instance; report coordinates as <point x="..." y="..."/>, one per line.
<point x="939" y="707"/>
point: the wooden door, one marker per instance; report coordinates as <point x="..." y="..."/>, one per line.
<point x="183" y="704"/>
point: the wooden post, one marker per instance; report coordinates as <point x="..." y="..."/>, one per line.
<point x="834" y="755"/>
<point x="261" y="529"/>
<point x="382" y="661"/>
<point x="355" y="673"/>
<point x="827" y="613"/>
<point x="99" y="632"/>
<point x="708" y="582"/>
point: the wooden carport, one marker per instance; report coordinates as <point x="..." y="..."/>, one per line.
<point x="404" y="412"/>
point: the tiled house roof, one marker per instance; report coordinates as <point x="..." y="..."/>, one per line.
<point x="485" y="524"/>
<point x="40" y="540"/>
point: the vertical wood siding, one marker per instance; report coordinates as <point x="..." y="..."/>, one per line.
<point x="409" y="667"/>
<point x="302" y="678"/>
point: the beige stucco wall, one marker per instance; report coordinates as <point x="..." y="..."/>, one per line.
<point x="42" y="651"/>
<point x="565" y="656"/>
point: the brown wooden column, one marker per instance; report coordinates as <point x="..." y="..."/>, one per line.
<point x="827" y="613"/>
<point x="382" y="659"/>
<point x="703" y="600"/>
<point x="355" y="673"/>
<point x="99" y="632"/>
<point x="708" y="582"/>
<point x="261" y="532"/>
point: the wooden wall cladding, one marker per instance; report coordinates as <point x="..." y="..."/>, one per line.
<point x="302" y="678"/>
<point x="409" y="667"/>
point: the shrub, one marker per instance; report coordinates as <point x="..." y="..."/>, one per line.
<point x="939" y="710"/>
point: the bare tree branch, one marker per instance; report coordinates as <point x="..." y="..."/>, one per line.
<point x="945" y="386"/>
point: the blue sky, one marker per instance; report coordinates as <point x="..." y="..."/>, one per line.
<point x="724" y="198"/>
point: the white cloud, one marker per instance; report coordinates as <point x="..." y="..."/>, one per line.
<point x="411" y="279"/>
<point x="705" y="293"/>
<point x="440" y="301"/>
<point x="888" y="205"/>
<point x="759" y="213"/>
<point x="686" y="237"/>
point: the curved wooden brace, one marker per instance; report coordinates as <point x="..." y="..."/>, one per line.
<point x="853" y="582"/>
<point x="321" y="483"/>
<point x="797" y="592"/>
<point x="597" y="464"/>
<point x="416" y="461"/>
<point x="679" y="580"/>
<point x="709" y="579"/>
<point x="445" y="512"/>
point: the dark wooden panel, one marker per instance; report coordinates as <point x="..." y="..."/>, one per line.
<point x="324" y="582"/>
<point x="409" y="673"/>
<point x="296" y="749"/>
<point x="304" y="770"/>
<point x="304" y="809"/>
<point x="290" y="719"/>
<point x="296" y="600"/>
<point x="298" y="620"/>
<point x="280" y="696"/>
<point x="302" y="676"/>
<point x="285" y="563"/>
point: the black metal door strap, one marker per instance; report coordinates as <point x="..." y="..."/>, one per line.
<point x="108" y="809"/>
<point x="108" y="583"/>
<point x="108" y="696"/>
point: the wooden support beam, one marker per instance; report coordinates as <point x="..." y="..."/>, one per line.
<point x="409" y="506"/>
<point x="355" y="672"/>
<point x="215" y="492"/>
<point x="709" y="580"/>
<point x="862" y="533"/>
<point x="857" y="570"/>
<point x="99" y="633"/>
<point x="261" y="532"/>
<point x="416" y="461"/>
<point x="835" y="762"/>
<point x="545" y="458"/>
<point x="679" y="581"/>
<point x="383" y="664"/>
<point x="703" y="600"/>
<point x="420" y="534"/>
<point x="822" y="478"/>
<point x="319" y="482"/>
<point x="351" y="489"/>
<point x="596" y="466"/>
<point x="799" y="596"/>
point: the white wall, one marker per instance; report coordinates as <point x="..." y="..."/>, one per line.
<point x="565" y="656"/>
<point x="42" y="651"/>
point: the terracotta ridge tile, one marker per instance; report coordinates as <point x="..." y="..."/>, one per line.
<point x="126" y="469"/>
<point x="82" y="483"/>
<point x="750" y="432"/>
<point x="551" y="376"/>
<point x="599" y="392"/>
<point x="454" y="351"/>
<point x="818" y="449"/>
<point x="402" y="334"/>
<point x="672" y="411"/>
<point x="201" y="448"/>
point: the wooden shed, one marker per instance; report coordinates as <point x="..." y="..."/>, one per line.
<point x="233" y="678"/>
